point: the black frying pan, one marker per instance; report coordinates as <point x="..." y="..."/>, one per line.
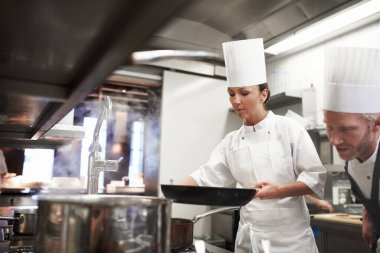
<point x="210" y="196"/>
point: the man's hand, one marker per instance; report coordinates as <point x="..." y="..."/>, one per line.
<point x="367" y="228"/>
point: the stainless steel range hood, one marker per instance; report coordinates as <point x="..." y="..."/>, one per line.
<point x="65" y="130"/>
<point x="54" y="53"/>
<point x="205" y="24"/>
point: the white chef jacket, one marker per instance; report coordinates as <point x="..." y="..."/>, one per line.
<point x="280" y="151"/>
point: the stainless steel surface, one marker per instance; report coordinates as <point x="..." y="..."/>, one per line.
<point x="27" y="221"/>
<point x="181" y="234"/>
<point x="24" y="221"/>
<point x="144" y="57"/>
<point x="103" y="223"/>
<point x="225" y="225"/>
<point x="52" y="56"/>
<point x="205" y="24"/>
<point x="95" y="162"/>
<point x="22" y="244"/>
<point x="6" y="232"/>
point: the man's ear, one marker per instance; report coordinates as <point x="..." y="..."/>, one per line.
<point x="377" y="122"/>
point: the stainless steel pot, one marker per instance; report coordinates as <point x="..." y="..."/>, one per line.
<point x="181" y="236"/>
<point x="24" y="221"/>
<point x="103" y="223"/>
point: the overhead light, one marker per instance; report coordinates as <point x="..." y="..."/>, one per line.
<point x="326" y="26"/>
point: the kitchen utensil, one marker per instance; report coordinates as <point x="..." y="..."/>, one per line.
<point x="103" y="223"/>
<point x="24" y="221"/>
<point x="211" y="196"/>
<point x="6" y="233"/>
<point x="181" y="233"/>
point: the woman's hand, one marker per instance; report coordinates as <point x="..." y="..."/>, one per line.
<point x="324" y="205"/>
<point x="320" y="203"/>
<point x="273" y="191"/>
<point x="187" y="181"/>
<point x="268" y="190"/>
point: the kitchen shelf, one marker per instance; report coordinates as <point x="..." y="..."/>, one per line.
<point x="54" y="53"/>
<point x="279" y="100"/>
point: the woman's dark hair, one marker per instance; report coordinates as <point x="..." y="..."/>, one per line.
<point x="264" y="86"/>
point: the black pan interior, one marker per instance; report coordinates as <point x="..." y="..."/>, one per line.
<point x="211" y="196"/>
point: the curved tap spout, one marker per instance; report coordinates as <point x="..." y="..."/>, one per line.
<point x="95" y="163"/>
<point x="105" y="113"/>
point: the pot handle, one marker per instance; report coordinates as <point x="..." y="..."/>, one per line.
<point x="218" y="210"/>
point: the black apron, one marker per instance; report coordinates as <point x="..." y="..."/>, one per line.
<point x="372" y="204"/>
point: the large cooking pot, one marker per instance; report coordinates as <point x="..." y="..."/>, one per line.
<point x="103" y="223"/>
<point x="24" y="221"/>
<point x="181" y="234"/>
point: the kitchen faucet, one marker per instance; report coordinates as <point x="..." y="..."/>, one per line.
<point x="95" y="163"/>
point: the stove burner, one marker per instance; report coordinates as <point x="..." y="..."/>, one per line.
<point x="23" y="244"/>
<point x="190" y="249"/>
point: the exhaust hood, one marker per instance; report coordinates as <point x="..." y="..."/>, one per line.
<point x="52" y="56"/>
<point x="65" y="130"/>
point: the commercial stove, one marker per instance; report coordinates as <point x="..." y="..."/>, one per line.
<point x="208" y="248"/>
<point x="22" y="244"/>
<point x="25" y="244"/>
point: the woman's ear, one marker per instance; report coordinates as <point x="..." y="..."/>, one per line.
<point x="264" y="95"/>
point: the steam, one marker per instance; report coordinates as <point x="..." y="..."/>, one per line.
<point x="68" y="160"/>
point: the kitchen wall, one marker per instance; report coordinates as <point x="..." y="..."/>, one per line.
<point x="195" y="117"/>
<point x="195" y="114"/>
<point x="305" y="68"/>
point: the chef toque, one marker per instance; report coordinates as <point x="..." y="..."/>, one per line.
<point x="245" y="62"/>
<point x="352" y="80"/>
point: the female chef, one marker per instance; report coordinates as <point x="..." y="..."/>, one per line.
<point x="269" y="151"/>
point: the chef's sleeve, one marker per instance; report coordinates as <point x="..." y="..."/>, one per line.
<point x="215" y="172"/>
<point x="307" y="164"/>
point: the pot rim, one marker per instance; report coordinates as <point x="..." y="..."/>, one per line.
<point x="31" y="210"/>
<point x="102" y="200"/>
<point x="175" y="221"/>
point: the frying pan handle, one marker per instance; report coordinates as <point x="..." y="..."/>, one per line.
<point x="218" y="210"/>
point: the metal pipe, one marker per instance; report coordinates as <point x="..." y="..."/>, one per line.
<point x="144" y="57"/>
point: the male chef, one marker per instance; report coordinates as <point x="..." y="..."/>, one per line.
<point x="352" y="118"/>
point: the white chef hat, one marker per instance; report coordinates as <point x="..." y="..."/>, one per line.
<point x="352" y="80"/>
<point x="245" y="62"/>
